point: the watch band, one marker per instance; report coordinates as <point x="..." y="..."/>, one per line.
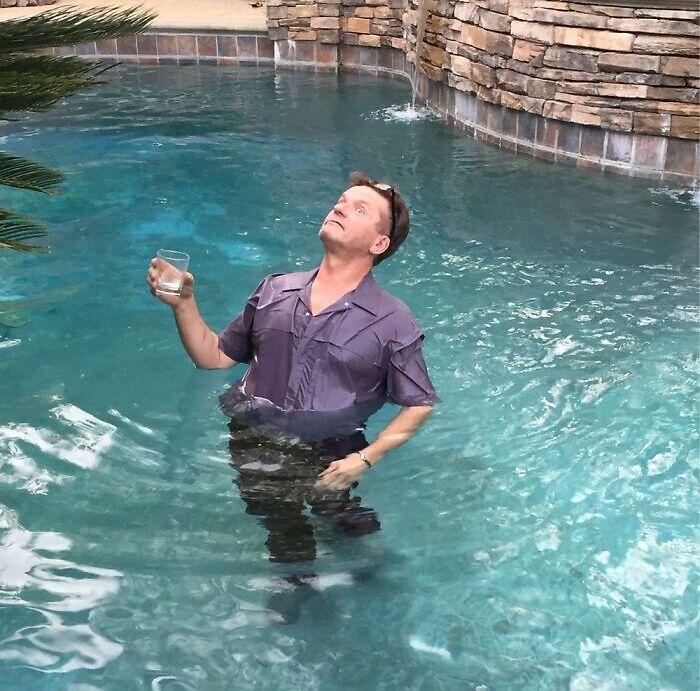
<point x="364" y="458"/>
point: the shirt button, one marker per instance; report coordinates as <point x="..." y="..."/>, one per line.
<point x="347" y="304"/>
<point x="307" y="314"/>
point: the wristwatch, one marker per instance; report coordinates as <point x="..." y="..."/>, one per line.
<point x="364" y="459"/>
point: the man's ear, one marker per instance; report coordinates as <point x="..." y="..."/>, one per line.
<point x="381" y="244"/>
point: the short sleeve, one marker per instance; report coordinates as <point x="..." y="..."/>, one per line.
<point x="236" y="340"/>
<point x="408" y="382"/>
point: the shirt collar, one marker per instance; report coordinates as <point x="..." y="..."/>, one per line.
<point x="298" y="280"/>
<point x="364" y="296"/>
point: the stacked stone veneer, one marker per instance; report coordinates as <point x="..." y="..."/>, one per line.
<point x="619" y="68"/>
<point x="369" y="23"/>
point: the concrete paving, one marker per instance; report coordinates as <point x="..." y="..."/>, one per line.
<point x="206" y="15"/>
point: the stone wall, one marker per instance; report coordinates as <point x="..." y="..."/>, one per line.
<point x="597" y="85"/>
<point x="304" y="21"/>
<point x="369" y="23"/>
<point x="618" y="68"/>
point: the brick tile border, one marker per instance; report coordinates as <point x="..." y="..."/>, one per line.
<point x="637" y="155"/>
<point x="179" y="47"/>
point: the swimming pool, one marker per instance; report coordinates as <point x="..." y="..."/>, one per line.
<point x="539" y="533"/>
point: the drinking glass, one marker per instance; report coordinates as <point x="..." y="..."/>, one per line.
<point x="171" y="267"/>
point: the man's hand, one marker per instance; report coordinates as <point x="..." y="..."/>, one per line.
<point x="201" y="343"/>
<point x="169" y="299"/>
<point x="342" y="474"/>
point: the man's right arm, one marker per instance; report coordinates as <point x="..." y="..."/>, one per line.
<point x="201" y="343"/>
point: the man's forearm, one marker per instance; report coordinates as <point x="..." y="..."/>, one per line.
<point x="398" y="431"/>
<point x="201" y="343"/>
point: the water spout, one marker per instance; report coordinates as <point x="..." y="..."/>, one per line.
<point x="421" y="19"/>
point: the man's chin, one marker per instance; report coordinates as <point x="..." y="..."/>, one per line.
<point x="329" y="240"/>
<point x="327" y="229"/>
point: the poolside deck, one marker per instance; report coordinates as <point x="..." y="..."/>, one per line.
<point x="227" y="15"/>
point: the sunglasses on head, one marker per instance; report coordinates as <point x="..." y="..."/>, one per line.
<point x="383" y="187"/>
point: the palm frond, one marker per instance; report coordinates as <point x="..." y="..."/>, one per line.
<point x="37" y="82"/>
<point x="65" y="26"/>
<point x="16" y="229"/>
<point x="25" y="174"/>
<point x="39" y="92"/>
<point x="35" y="63"/>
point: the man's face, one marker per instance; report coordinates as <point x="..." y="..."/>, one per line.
<point x="358" y="222"/>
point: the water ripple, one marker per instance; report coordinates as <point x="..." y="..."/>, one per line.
<point x="539" y="533"/>
<point x="47" y="586"/>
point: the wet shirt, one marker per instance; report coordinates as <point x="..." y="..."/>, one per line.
<point x="323" y="375"/>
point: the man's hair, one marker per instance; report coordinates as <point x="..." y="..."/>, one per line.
<point x="401" y="219"/>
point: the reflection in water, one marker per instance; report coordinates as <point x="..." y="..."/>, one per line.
<point x="81" y="441"/>
<point x="46" y="602"/>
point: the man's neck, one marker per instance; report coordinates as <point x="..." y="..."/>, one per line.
<point x="334" y="279"/>
<point x="340" y="273"/>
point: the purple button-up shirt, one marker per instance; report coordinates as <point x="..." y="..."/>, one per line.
<point x="323" y="375"/>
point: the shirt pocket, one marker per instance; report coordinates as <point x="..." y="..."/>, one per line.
<point x="272" y="327"/>
<point x="359" y="366"/>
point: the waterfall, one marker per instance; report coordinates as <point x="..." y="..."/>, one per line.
<point x="421" y="19"/>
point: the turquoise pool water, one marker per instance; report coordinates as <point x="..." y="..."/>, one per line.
<point x="540" y="532"/>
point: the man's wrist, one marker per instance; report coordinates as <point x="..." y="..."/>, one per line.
<point x="183" y="305"/>
<point x="364" y="458"/>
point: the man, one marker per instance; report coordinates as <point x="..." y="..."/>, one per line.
<point x="326" y="349"/>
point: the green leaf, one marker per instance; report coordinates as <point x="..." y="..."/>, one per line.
<point x="37" y="82"/>
<point x="15" y="230"/>
<point x="58" y="65"/>
<point x="13" y="312"/>
<point x="37" y="92"/>
<point x="12" y="319"/>
<point x="64" y="26"/>
<point x="42" y="300"/>
<point x="25" y="174"/>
